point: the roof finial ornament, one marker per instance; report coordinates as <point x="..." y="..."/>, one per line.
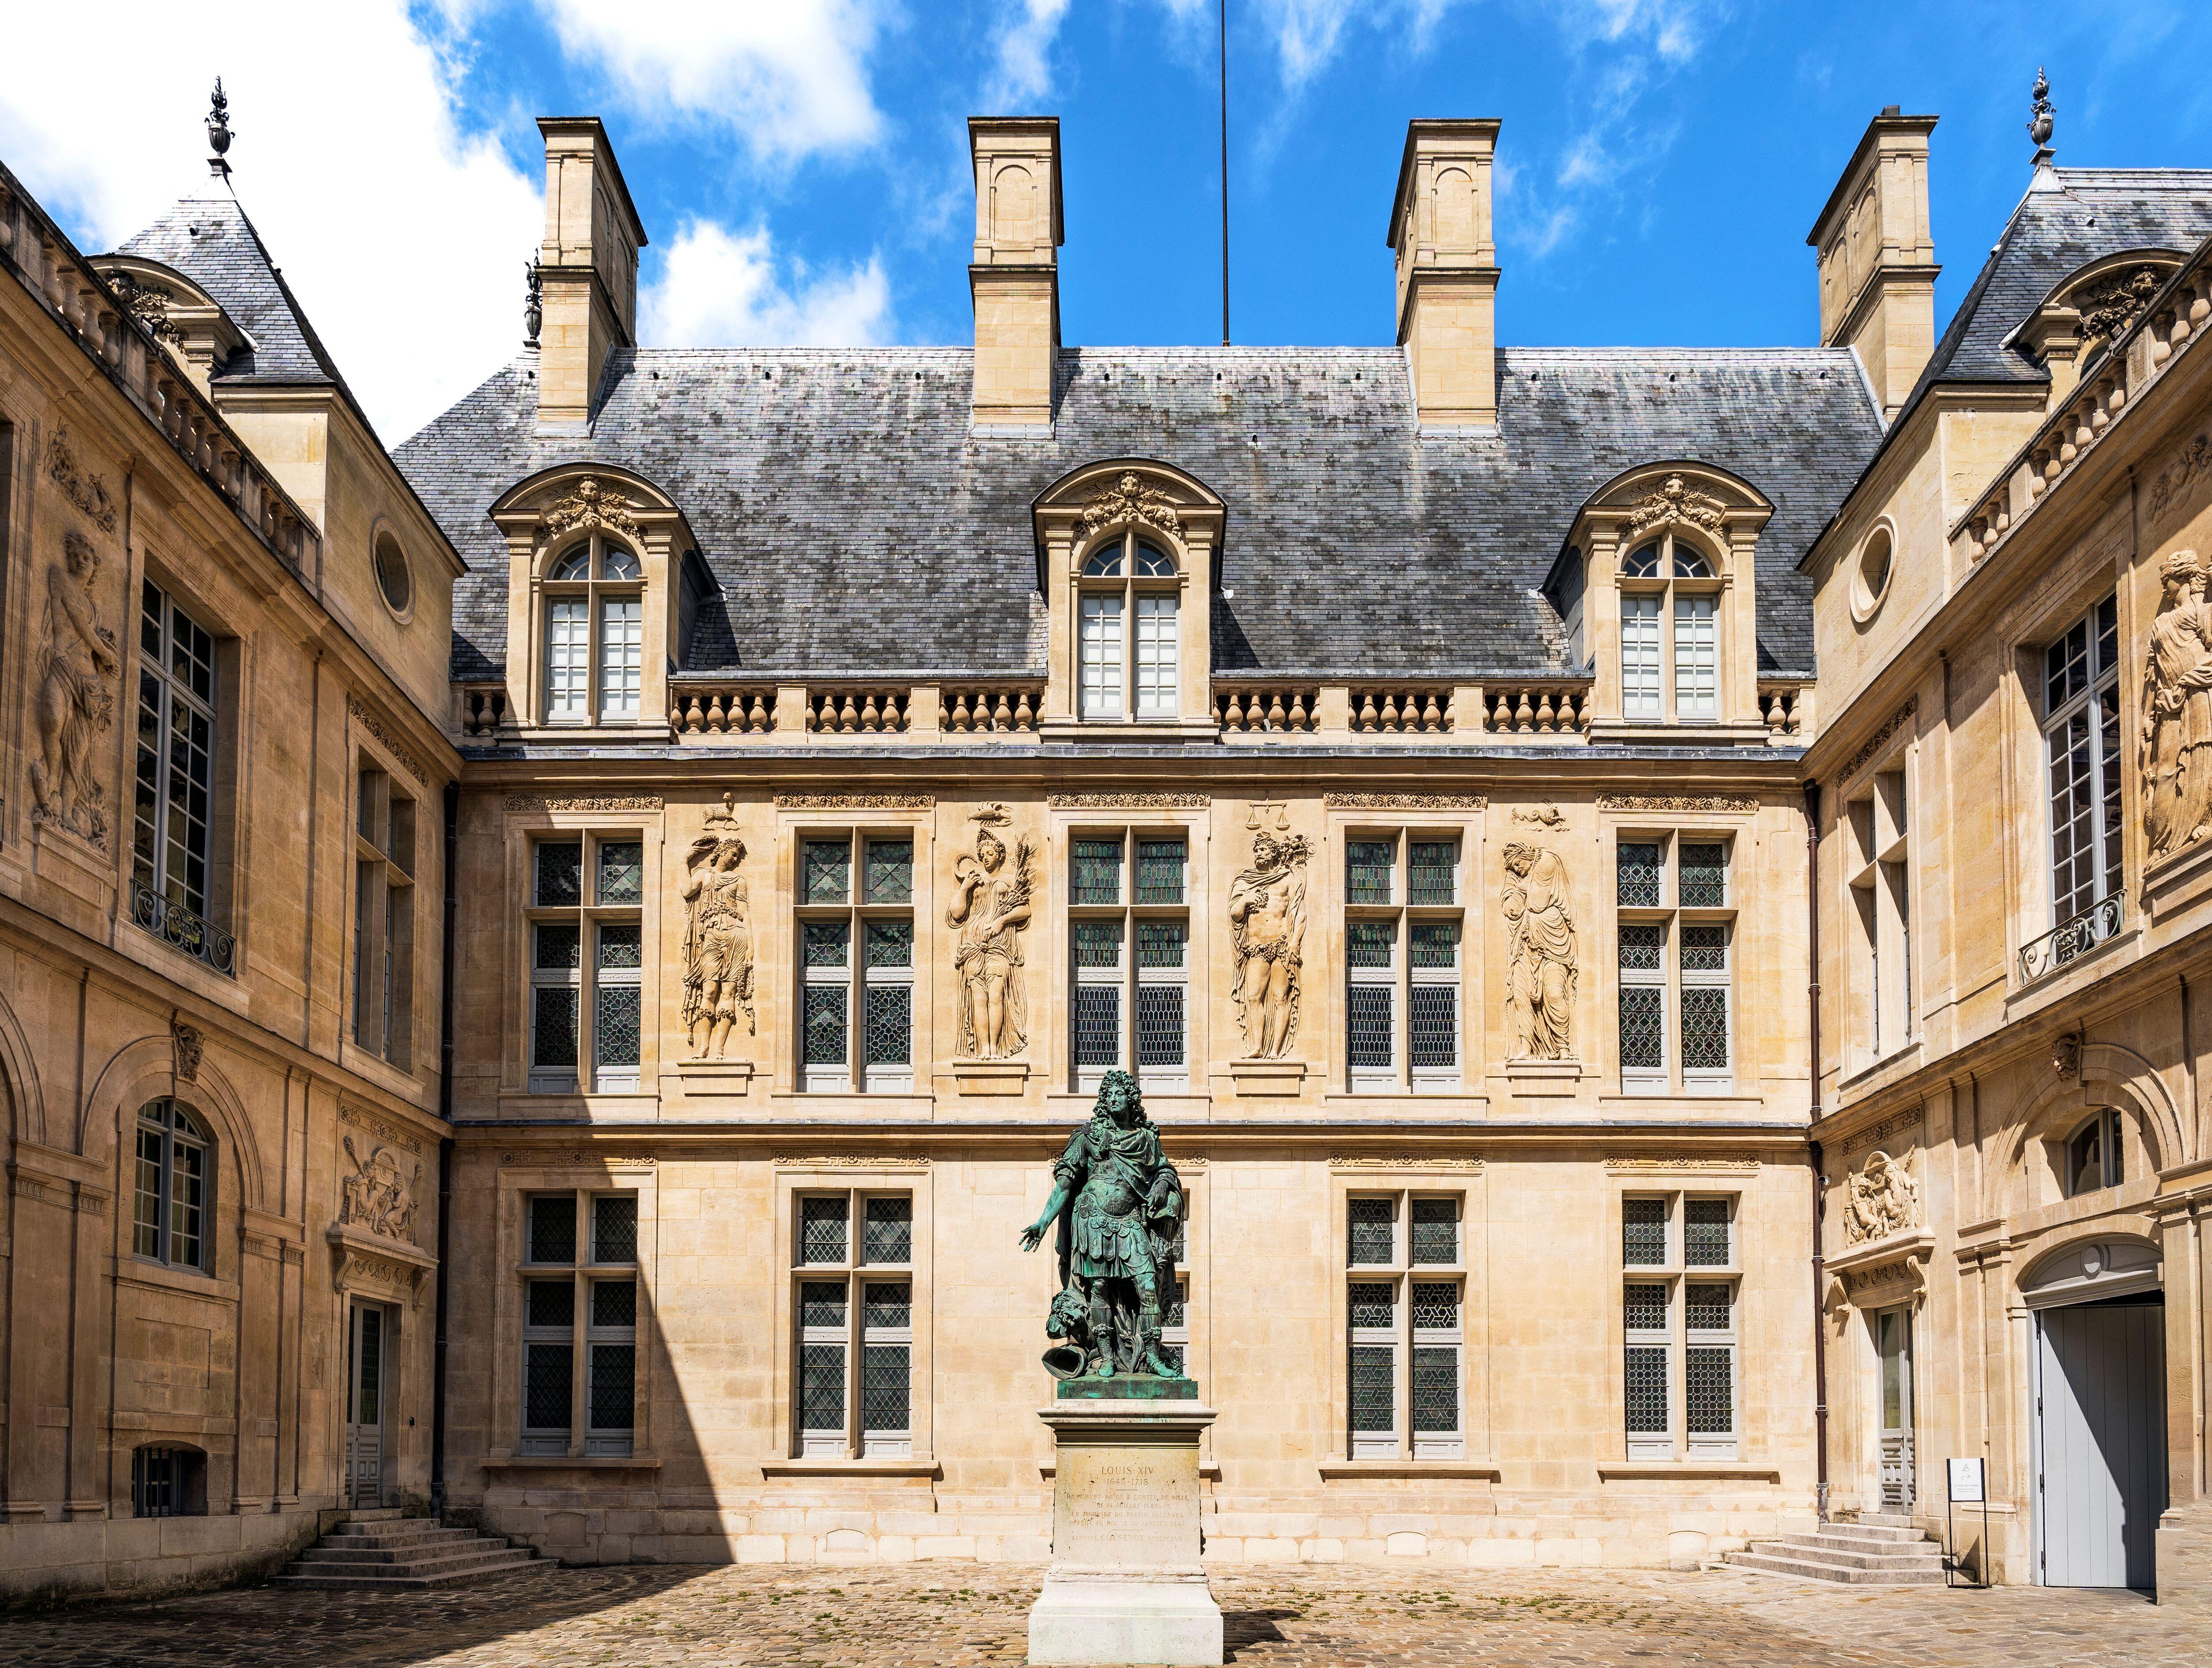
<point x="2039" y="125"/>
<point x="533" y="304"/>
<point x="218" y="130"/>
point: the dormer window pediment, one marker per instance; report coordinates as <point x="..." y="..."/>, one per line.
<point x="193" y="330"/>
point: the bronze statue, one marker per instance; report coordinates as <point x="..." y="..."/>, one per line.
<point x="1117" y="1200"/>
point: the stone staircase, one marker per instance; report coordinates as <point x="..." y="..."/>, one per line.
<point x="1878" y="1550"/>
<point x="382" y="1550"/>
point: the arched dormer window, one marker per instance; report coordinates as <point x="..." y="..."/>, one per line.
<point x="170" y="1216"/>
<point x="1670" y="631"/>
<point x="2094" y="1157"/>
<point x="1129" y="598"/>
<point x="594" y="634"/>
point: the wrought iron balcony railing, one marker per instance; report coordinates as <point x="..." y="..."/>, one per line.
<point x="174" y="924"/>
<point x="2070" y="937"/>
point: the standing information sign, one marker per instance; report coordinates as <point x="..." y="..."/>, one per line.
<point x="1968" y="1480"/>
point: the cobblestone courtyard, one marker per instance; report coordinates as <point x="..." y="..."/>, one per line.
<point x="1296" y="1617"/>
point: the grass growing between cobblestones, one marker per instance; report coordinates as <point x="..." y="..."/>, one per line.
<point x="936" y="1616"/>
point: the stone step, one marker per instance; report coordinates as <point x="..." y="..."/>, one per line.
<point x="376" y="1515"/>
<point x="1886" y="1519"/>
<point x="1857" y="1556"/>
<point x="522" y="1566"/>
<point x="465" y="1562"/>
<point x="326" y="1552"/>
<point x="390" y="1529"/>
<point x="400" y="1542"/>
<point x="1875" y="1534"/>
<point x="1818" y="1568"/>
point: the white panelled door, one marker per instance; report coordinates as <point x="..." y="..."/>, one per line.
<point x="2101" y="1394"/>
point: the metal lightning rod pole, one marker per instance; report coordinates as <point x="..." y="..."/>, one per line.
<point x="1225" y="172"/>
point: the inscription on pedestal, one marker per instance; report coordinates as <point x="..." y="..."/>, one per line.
<point x="1126" y="1506"/>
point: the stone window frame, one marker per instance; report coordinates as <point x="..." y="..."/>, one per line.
<point x="1129" y="976"/>
<point x="522" y="1176"/>
<point x="1121" y="564"/>
<point x="1402" y="913"/>
<point x="1671" y="915"/>
<point x="596" y="590"/>
<point x="1875" y="820"/>
<point x="591" y="918"/>
<point x="2108" y="863"/>
<point x="858" y="980"/>
<point x="1400" y="1444"/>
<point x="165" y="1134"/>
<point x="859" y="1179"/>
<point x="1672" y="549"/>
<point x="585" y="1333"/>
<point x="383" y="870"/>
<point x="1677" y="1271"/>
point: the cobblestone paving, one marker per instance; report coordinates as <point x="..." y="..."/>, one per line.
<point x="940" y="1615"/>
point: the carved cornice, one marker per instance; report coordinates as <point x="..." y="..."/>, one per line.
<point x="1128" y="801"/>
<point x="87" y="491"/>
<point x="1405" y="801"/>
<point x="375" y="1124"/>
<point x="1736" y="804"/>
<point x="390" y="743"/>
<point x="1879" y="739"/>
<point x="1677" y="502"/>
<point x="855" y="802"/>
<point x="539" y="803"/>
<point x="1463" y="1163"/>
<point x="1875" y="1134"/>
<point x="590" y="506"/>
<point x="2191" y="462"/>
<point x="1131" y="500"/>
<point x="851" y="1162"/>
<point x="1639" y="1163"/>
<point x="572" y="1157"/>
<point x="2108" y="309"/>
<point x="149" y="304"/>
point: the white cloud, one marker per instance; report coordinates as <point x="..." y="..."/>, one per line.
<point x="786" y="77"/>
<point x="720" y="289"/>
<point x="402" y="235"/>
<point x="1023" y="67"/>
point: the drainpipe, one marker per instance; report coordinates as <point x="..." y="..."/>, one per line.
<point x="445" y="1153"/>
<point x="1813" y="1148"/>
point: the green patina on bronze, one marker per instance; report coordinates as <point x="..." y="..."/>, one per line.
<point x="1115" y="1203"/>
<point x="1132" y="1387"/>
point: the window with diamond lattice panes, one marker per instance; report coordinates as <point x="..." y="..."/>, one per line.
<point x="579" y="1367"/>
<point x="1402" y="959"/>
<point x="1679" y="1297"/>
<point x="1405" y="1289"/>
<point x="853" y="1280"/>
<point x="1675" y="921"/>
<point x="856" y="962"/>
<point x="585" y="938"/>
<point x="1128" y="934"/>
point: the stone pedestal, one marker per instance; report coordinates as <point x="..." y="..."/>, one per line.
<point x="1126" y="1585"/>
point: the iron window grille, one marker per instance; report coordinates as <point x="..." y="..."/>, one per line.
<point x="856" y="963"/>
<point x="1674" y="925"/>
<point x="1129" y="956"/>
<point x="594" y="634"/>
<point x="168" y="1480"/>
<point x="1670" y="619"/>
<point x="384" y="918"/>
<point x="1128" y="630"/>
<point x="172" y="849"/>
<point x="1404" y="1293"/>
<point x="586" y="932"/>
<point x="853" y="1302"/>
<point x="579" y="1362"/>
<point x="1680" y="1286"/>
<point x="1403" y="961"/>
<point x="173" y="1201"/>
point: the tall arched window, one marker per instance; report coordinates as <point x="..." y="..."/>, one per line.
<point x="1129" y="596"/>
<point x="170" y="1225"/>
<point x="594" y="634"/>
<point x="1685" y="636"/>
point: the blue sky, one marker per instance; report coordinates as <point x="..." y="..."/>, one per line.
<point x="801" y="164"/>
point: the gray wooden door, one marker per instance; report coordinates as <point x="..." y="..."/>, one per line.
<point x="1893" y="1331"/>
<point x="364" y="1411"/>
<point x="2100" y="1398"/>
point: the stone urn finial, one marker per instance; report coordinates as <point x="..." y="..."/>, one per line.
<point x="218" y="131"/>
<point x="2039" y="121"/>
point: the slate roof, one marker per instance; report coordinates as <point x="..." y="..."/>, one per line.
<point x="856" y="525"/>
<point x="212" y="242"/>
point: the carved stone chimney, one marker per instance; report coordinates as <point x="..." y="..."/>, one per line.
<point x="1447" y="255"/>
<point x="1877" y="255"/>
<point x="1015" y="274"/>
<point x="589" y="267"/>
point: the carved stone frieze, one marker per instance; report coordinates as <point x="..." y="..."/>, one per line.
<point x="2109" y="307"/>
<point x="1541" y="966"/>
<point x="79" y="661"/>
<point x="1129" y="802"/>
<point x="383" y="1129"/>
<point x="148" y="304"/>
<point x="1404" y="801"/>
<point x="1458" y="1162"/>
<point x="390" y="744"/>
<point x="186" y="1043"/>
<point x="1639" y="1163"/>
<point x="2191" y="463"/>
<point x="590" y="506"/>
<point x="1677" y="502"/>
<point x="539" y="803"/>
<point x="378" y="1197"/>
<point x="1679" y="804"/>
<point x="1876" y="1135"/>
<point x="87" y="491"/>
<point x="1546" y="816"/>
<point x="990" y="908"/>
<point x="855" y="802"/>
<point x="573" y="1157"/>
<point x="850" y="1161"/>
<point x="717" y="937"/>
<point x="1879" y="739"/>
<point x="1131" y="500"/>
<point x="1881" y="1200"/>
<point x="1267" y="929"/>
<point x="2175" y="752"/>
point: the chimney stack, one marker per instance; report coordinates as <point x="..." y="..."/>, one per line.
<point x="1877" y="256"/>
<point x="1015" y="274"/>
<point x="1447" y="259"/>
<point x="588" y="265"/>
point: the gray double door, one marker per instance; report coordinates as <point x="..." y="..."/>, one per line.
<point x="2100" y="1401"/>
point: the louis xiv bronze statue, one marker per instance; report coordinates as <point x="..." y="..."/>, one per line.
<point x="1116" y="1202"/>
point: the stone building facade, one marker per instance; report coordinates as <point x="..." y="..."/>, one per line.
<point x="1409" y="763"/>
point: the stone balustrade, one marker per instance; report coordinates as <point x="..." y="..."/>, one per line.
<point x="479" y="709"/>
<point x="999" y="709"/>
<point x="1243" y="708"/>
<point x="2175" y="316"/>
<point x="1558" y="708"/>
<point x="1787" y="709"/>
<point x="722" y="709"/>
<point x="1400" y="709"/>
<point x="47" y="265"/>
<point x="858" y="710"/>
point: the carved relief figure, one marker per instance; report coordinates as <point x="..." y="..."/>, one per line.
<point x="78" y="658"/>
<point x="1881" y="1200"/>
<point x="1116" y="1202"/>
<point x="2177" y="709"/>
<point x="375" y="1196"/>
<point x="717" y="937"/>
<point x="1266" y="924"/>
<point x="991" y="905"/>
<point x="1541" y="964"/>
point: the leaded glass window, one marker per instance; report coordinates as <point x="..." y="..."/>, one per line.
<point x="1128" y="956"/>
<point x="855" y="1325"/>
<point x="1375" y="1305"/>
<point x="552" y="1231"/>
<point x="1637" y="872"/>
<point x="1374" y="1223"/>
<point x="1646" y="1397"/>
<point x="587" y="964"/>
<point x="1703" y="880"/>
<point x="821" y="1223"/>
<point x="1645" y="1308"/>
<point x="890" y="1229"/>
<point x="1098" y="1026"/>
<point x="622" y="871"/>
<point x="890" y="871"/>
<point x="1434" y="1230"/>
<point x="1669" y="1317"/>
<point x="614" y="1228"/>
<point x="384" y="917"/>
<point x="1643" y="1231"/>
<point x="1159" y="872"/>
<point x="1673" y="986"/>
<point x="1097" y="877"/>
<point x="828" y="871"/>
<point x="1430" y="870"/>
<point x="856" y="964"/>
<point x="1368" y="866"/>
<point x="1705" y="1240"/>
<point x="1402" y="962"/>
<point x="1374" y="1391"/>
<point x="1435" y="1391"/>
<point x="1403" y="1299"/>
<point x="1371" y="1031"/>
<point x="573" y="1321"/>
<point x="1708" y="1389"/>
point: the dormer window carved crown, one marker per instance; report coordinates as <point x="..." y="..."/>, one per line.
<point x="2089" y="309"/>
